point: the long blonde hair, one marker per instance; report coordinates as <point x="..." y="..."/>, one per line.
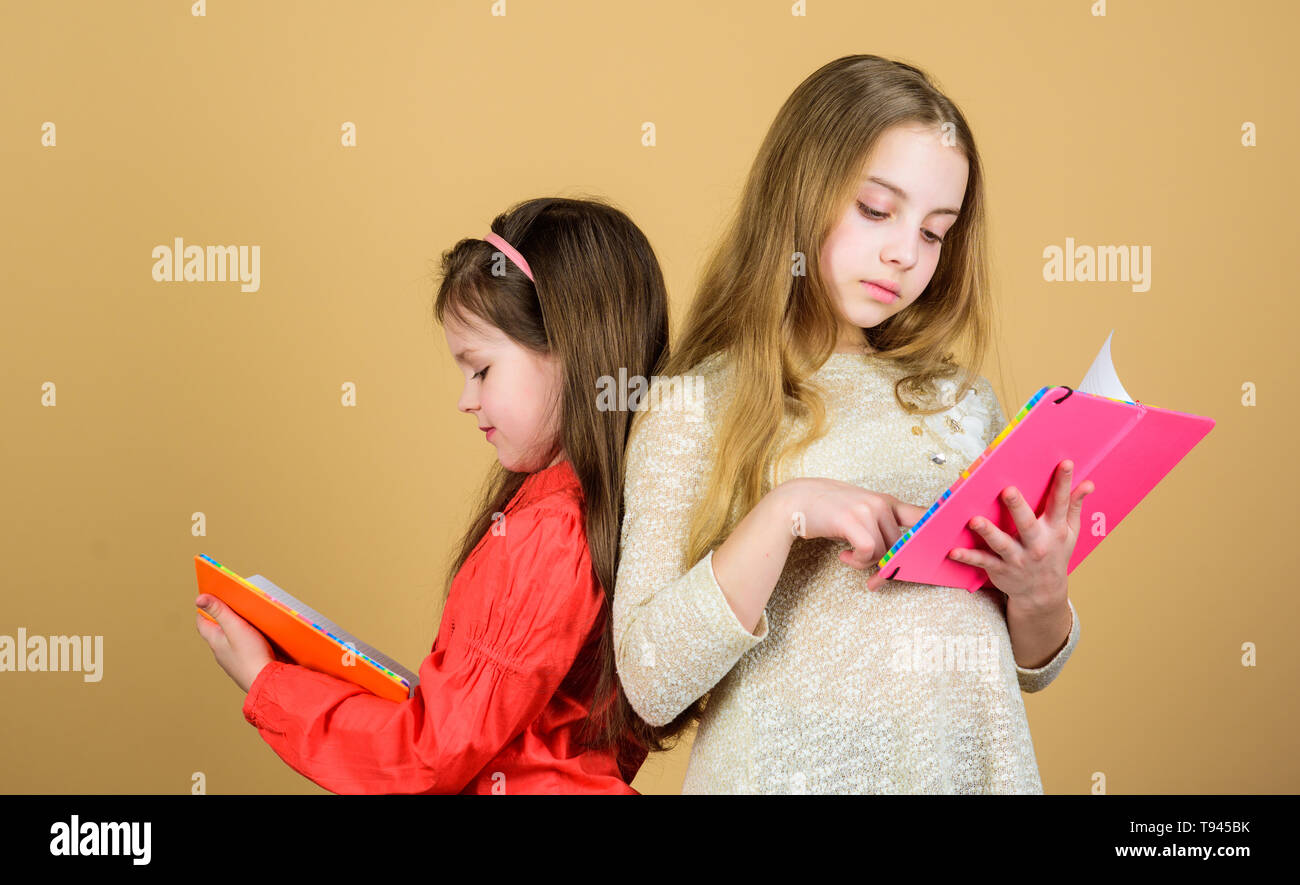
<point x="776" y="328"/>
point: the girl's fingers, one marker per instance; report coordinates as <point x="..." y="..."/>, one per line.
<point x="977" y="558"/>
<point x="1076" y="504"/>
<point x="1059" y="501"/>
<point x="908" y="514"/>
<point x="1076" y="509"/>
<point x="234" y="628"/>
<point x="200" y="624"/>
<point x="854" y="561"/>
<point x="856" y="558"/>
<point x="885" y="525"/>
<point x="999" y="541"/>
<point x="211" y="633"/>
<point x="1024" y="518"/>
<point x="211" y="605"/>
<point x="863" y="543"/>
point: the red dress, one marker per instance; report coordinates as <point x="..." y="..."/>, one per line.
<point x="496" y="710"/>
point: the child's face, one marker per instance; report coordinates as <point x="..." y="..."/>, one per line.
<point x="510" y="389"/>
<point x="886" y="236"/>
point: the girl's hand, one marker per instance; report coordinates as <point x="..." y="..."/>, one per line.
<point x="239" y="647"/>
<point x="868" y="521"/>
<point x="1031" y="570"/>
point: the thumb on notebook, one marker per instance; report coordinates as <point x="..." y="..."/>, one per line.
<point x="239" y="647"/>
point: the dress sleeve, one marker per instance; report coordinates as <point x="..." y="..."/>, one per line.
<point x="530" y="602"/>
<point x="1039" y="678"/>
<point x="675" y="634"/>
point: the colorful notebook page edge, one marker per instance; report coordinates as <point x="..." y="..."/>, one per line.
<point x="340" y="643"/>
<point x="965" y="474"/>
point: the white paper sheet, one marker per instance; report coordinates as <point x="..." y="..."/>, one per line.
<point x="1101" y="378"/>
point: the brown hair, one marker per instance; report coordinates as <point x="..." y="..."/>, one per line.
<point x="776" y="327"/>
<point x="599" y="304"/>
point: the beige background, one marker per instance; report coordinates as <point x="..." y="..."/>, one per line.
<point x="177" y="398"/>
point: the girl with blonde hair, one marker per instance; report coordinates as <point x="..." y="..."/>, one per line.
<point x="831" y="414"/>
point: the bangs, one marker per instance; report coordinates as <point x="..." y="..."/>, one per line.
<point x="466" y="304"/>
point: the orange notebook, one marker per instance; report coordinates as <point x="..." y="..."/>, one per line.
<point x="302" y="634"/>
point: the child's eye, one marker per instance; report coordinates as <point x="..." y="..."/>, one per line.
<point x="482" y="374"/>
<point x="874" y="214"/>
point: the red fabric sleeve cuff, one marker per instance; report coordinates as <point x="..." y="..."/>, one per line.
<point x="256" y="690"/>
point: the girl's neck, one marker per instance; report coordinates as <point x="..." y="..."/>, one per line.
<point x="855" y="347"/>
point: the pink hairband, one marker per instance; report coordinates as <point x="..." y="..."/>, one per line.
<point x="510" y="252"/>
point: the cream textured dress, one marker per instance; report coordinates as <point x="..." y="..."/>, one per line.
<point x="909" y="689"/>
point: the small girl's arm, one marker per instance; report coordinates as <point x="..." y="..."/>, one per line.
<point x="477" y="692"/>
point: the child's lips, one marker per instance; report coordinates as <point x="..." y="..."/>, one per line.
<point x="879" y="293"/>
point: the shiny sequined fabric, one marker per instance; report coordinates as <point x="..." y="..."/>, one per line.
<point x="910" y="689"/>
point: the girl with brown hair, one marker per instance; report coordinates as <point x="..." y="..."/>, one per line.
<point x="518" y="693"/>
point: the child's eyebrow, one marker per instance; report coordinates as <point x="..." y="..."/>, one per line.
<point x="903" y="194"/>
<point x="460" y="357"/>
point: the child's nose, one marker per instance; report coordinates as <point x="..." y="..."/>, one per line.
<point x="467" y="402"/>
<point x="900" y="250"/>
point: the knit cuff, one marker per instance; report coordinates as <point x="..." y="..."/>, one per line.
<point x="1040" y="677"/>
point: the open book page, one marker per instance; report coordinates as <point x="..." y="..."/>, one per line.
<point x="1101" y="379"/>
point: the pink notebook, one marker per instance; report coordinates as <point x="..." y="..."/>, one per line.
<point x="1125" y="447"/>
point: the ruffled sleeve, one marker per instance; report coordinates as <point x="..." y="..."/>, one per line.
<point x="675" y="634"/>
<point x="1040" y="677"/>
<point x="527" y="604"/>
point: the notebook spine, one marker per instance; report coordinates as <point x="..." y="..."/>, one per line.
<point x="345" y="640"/>
<point x="965" y="474"/>
<point x="1081" y="473"/>
<point x="322" y="625"/>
